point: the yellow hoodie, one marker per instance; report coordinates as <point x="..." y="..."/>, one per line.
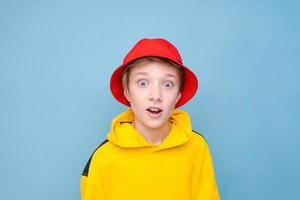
<point x="126" y="167"/>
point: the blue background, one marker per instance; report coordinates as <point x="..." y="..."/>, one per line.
<point x="56" y="58"/>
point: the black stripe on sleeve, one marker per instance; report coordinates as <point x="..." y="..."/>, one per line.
<point x="200" y="135"/>
<point x="87" y="166"/>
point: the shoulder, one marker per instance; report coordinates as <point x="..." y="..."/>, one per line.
<point x="200" y="145"/>
<point x="198" y="140"/>
<point x="198" y="136"/>
<point x="101" y="147"/>
<point x="98" y="150"/>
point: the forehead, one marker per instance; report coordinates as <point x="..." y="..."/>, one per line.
<point x="155" y="69"/>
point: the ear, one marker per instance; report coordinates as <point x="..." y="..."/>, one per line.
<point x="126" y="94"/>
<point x="178" y="97"/>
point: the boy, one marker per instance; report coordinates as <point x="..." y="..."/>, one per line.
<point x="151" y="151"/>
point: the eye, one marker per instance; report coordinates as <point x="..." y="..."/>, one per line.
<point x="168" y="84"/>
<point x="142" y="82"/>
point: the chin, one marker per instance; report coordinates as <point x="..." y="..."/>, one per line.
<point x="155" y="125"/>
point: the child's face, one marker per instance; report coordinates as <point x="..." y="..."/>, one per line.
<point x="153" y="85"/>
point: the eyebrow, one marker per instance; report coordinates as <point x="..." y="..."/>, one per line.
<point x="146" y="73"/>
<point x="171" y="75"/>
<point x="141" y="73"/>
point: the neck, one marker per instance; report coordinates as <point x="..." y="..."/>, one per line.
<point x="154" y="136"/>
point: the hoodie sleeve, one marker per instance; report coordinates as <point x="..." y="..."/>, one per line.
<point x="91" y="184"/>
<point x="207" y="187"/>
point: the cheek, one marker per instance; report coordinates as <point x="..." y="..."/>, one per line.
<point x="138" y="97"/>
<point x="171" y="97"/>
<point x="171" y="102"/>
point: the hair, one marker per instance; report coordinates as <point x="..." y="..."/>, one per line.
<point x="150" y="59"/>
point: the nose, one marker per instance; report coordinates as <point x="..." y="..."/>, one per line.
<point x="155" y="94"/>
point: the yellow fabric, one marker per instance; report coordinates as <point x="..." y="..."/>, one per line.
<point x="127" y="167"/>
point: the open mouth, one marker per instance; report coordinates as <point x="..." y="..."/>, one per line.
<point x="154" y="110"/>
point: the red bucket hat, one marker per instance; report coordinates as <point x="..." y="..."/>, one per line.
<point x="160" y="48"/>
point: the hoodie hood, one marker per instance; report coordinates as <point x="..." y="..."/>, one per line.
<point x="124" y="135"/>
